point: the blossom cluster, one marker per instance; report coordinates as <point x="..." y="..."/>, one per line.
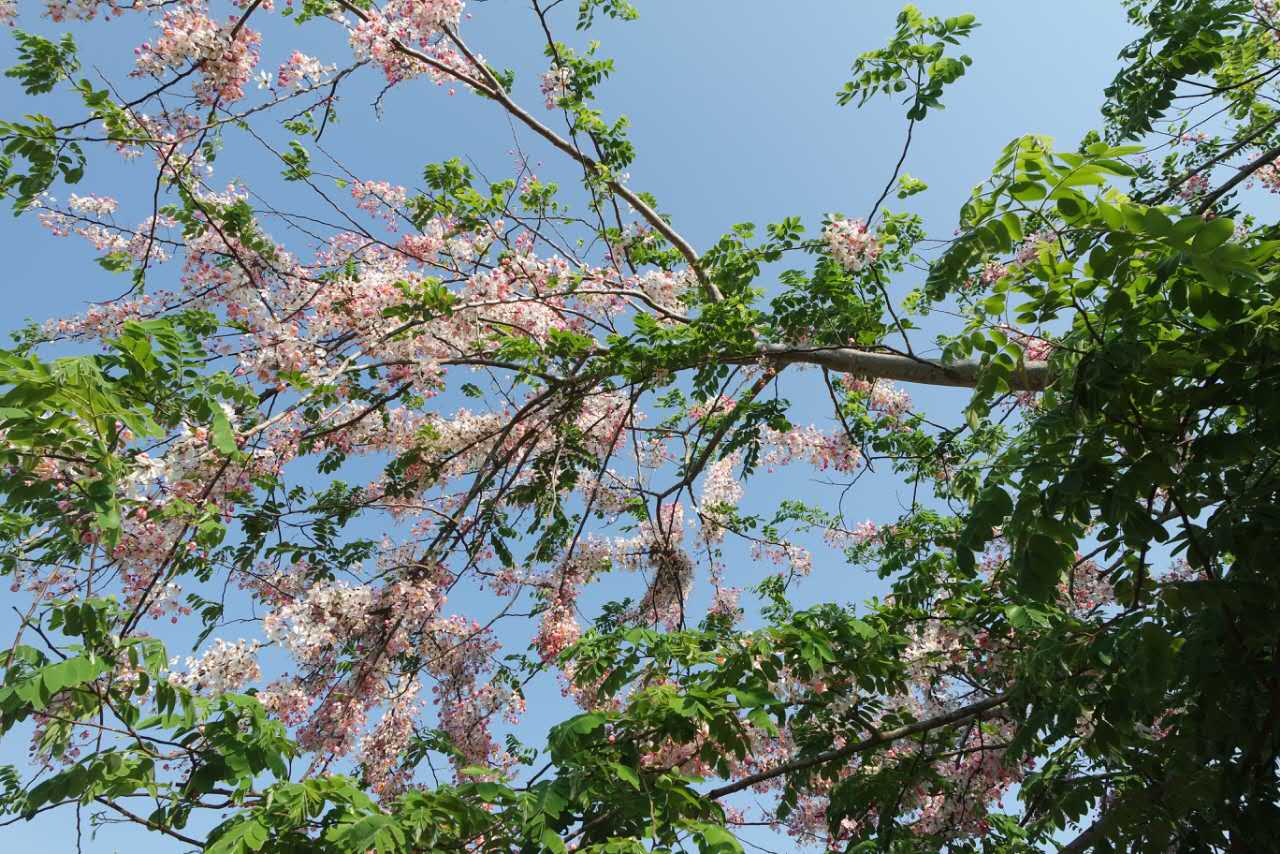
<point x="1269" y="176"/>
<point x="851" y="244"/>
<point x="226" y="54"/>
<point x="382" y="32"/>
<point x="721" y="492"/>
<point x="881" y="396"/>
<point x="554" y="84"/>
<point x="820" y="449"/>
<point x="301" y="71"/>
<point x="379" y="198"/>
<point x="223" y="668"/>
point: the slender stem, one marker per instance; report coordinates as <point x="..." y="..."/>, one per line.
<point x="911" y="126"/>
<point x="145" y="822"/>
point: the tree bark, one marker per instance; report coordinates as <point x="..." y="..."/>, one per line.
<point x="880" y="738"/>
<point x="1033" y="376"/>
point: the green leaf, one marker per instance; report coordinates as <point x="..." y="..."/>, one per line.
<point x="221" y="432"/>
<point x="1211" y="235"/>
<point x="240" y="836"/>
<point x="551" y="841"/>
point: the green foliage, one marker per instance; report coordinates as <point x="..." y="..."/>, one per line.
<point x="297" y="161"/>
<point x="43" y="64"/>
<point x="619" y="9"/>
<point x="914" y="62"/>
<point x="36" y="141"/>
<point x="1179" y="40"/>
<point x="909" y="186"/>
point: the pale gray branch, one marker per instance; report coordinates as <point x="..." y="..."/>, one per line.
<point x="1031" y="376"/>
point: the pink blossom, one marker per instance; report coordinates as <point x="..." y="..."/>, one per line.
<point x="881" y="395"/>
<point x="1032" y="245"/>
<point x="555" y="85"/>
<point x="851" y="244"/>
<point x="93" y="205"/>
<point x="1269" y="176"/>
<point x="187" y="36"/>
<point x="380" y="199"/>
<point x="223" y="668"/>
<point x="1195" y="186"/>
<point x="301" y="71"/>
<point x="811" y="445"/>
<point x="408" y="22"/>
<point x="725" y="603"/>
<point x="721" y="492"/>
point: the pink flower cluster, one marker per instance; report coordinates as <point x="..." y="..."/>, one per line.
<point x="1032" y="244"/>
<point x="188" y="35"/>
<point x="380" y="199"/>
<point x="657" y="551"/>
<point x="809" y="444"/>
<point x="85" y="10"/>
<point x="1194" y="187"/>
<point x="223" y="668"/>
<point x="721" y="492"/>
<point x="795" y="558"/>
<point x="413" y="23"/>
<point x="554" y="85"/>
<point x="93" y="205"/>
<point x="1035" y="348"/>
<point x="82" y="217"/>
<point x="881" y="395"/>
<point x="860" y="534"/>
<point x="851" y="244"/>
<point x="1269" y="176"/>
<point x="664" y="289"/>
<point x="722" y="405"/>
<point x="992" y="272"/>
<point x="301" y="71"/>
<point x="381" y="748"/>
<point x="558" y="628"/>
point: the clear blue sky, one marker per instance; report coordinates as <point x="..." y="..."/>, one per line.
<point x="734" y="120"/>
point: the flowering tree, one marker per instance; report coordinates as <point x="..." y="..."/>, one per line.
<point x="567" y="404"/>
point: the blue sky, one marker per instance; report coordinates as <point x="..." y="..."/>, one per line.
<point x="733" y="118"/>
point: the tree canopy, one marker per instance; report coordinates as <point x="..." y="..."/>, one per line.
<point x="565" y="403"/>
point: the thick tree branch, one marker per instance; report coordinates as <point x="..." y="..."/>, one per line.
<point x="1033" y="376"/>
<point x="1086" y="840"/>
<point x="964" y="713"/>
<point x="1241" y="175"/>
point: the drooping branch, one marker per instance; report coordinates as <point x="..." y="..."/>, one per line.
<point x="1030" y="376"/>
